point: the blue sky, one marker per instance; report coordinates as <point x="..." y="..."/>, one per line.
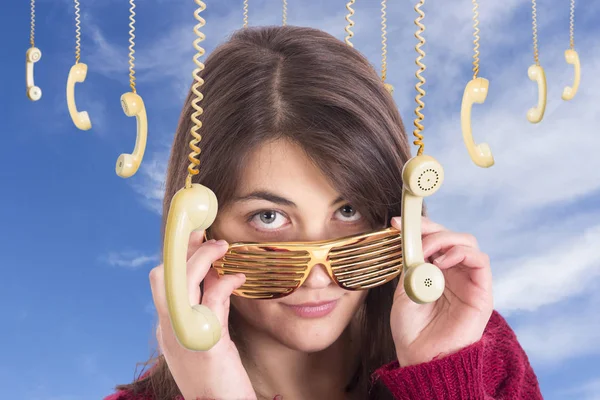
<point x="78" y="241"/>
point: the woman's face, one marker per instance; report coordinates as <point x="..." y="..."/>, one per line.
<point x="283" y="197"/>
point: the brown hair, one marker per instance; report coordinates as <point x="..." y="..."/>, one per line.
<point x="305" y="86"/>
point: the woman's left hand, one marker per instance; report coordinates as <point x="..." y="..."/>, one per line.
<point x="457" y="319"/>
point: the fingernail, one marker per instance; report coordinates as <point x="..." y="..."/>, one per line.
<point x="211" y="241"/>
<point x="397" y="220"/>
<point x="222" y="242"/>
<point x="439" y="260"/>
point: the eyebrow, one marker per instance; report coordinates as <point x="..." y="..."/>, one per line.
<point x="273" y="198"/>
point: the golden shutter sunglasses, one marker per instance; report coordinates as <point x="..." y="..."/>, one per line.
<point x="276" y="269"/>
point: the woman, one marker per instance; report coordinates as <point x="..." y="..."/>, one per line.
<point x="302" y="142"/>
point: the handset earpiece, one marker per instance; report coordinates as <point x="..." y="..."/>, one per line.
<point x="423" y="282"/>
<point x="475" y="92"/>
<point x="572" y="58"/>
<point x="133" y="105"/>
<point x="192" y="209"/>
<point x="536" y="73"/>
<point x="33" y="55"/>
<point x="77" y="74"/>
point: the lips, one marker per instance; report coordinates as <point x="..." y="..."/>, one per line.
<point x="312" y="304"/>
<point x="313" y="309"/>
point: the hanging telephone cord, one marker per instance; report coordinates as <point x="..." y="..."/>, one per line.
<point x="284" y="12"/>
<point x="350" y="23"/>
<point x="77" y="33"/>
<point x="420" y="92"/>
<point x="383" y="44"/>
<point x="131" y="44"/>
<point x="536" y="54"/>
<point x="32" y="34"/>
<point x="197" y="124"/>
<point x="476" y="40"/>
<point x="571" y="25"/>
<point x="245" y="13"/>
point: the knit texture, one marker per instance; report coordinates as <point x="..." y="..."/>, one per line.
<point x="494" y="368"/>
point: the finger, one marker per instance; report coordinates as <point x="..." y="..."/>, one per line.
<point x="196" y="240"/>
<point x="464" y="255"/>
<point x="157" y="287"/>
<point x="476" y="261"/>
<point x="427" y="226"/>
<point x="434" y="256"/>
<point x="217" y="294"/>
<point x="199" y="264"/>
<point x="440" y="241"/>
<point x="218" y="290"/>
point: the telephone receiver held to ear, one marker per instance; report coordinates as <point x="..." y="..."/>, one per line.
<point x="128" y="164"/>
<point x="77" y="74"/>
<point x="33" y="55"/>
<point x="475" y="92"/>
<point x="192" y="209"/>
<point x="423" y="282"/>
<point x="572" y="58"/>
<point x="536" y="73"/>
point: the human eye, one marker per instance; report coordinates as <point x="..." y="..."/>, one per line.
<point x="267" y="220"/>
<point x="347" y="213"/>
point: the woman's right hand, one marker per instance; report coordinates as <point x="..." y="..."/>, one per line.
<point x="218" y="372"/>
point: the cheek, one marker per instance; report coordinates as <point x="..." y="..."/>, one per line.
<point x="355" y="302"/>
<point x="255" y="312"/>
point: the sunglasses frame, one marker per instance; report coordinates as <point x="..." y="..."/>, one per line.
<point x="315" y="253"/>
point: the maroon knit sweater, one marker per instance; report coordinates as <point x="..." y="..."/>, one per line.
<point x="495" y="367"/>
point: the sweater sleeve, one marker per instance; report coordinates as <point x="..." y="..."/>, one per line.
<point x="495" y="367"/>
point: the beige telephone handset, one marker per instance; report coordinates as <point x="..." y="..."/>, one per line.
<point x="422" y="176"/>
<point x="33" y="55"/>
<point x="193" y="208"/>
<point x="133" y="105"/>
<point x="77" y="74"/>
<point x="128" y="164"/>
<point x="475" y="92"/>
<point x="572" y="58"/>
<point x="536" y="73"/>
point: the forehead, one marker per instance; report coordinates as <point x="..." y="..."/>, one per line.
<point x="283" y="167"/>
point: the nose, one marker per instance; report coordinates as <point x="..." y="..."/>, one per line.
<point x="317" y="278"/>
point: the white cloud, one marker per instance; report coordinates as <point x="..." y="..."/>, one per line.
<point x="566" y="268"/>
<point x="150" y="182"/>
<point x="552" y="340"/>
<point x="129" y="259"/>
